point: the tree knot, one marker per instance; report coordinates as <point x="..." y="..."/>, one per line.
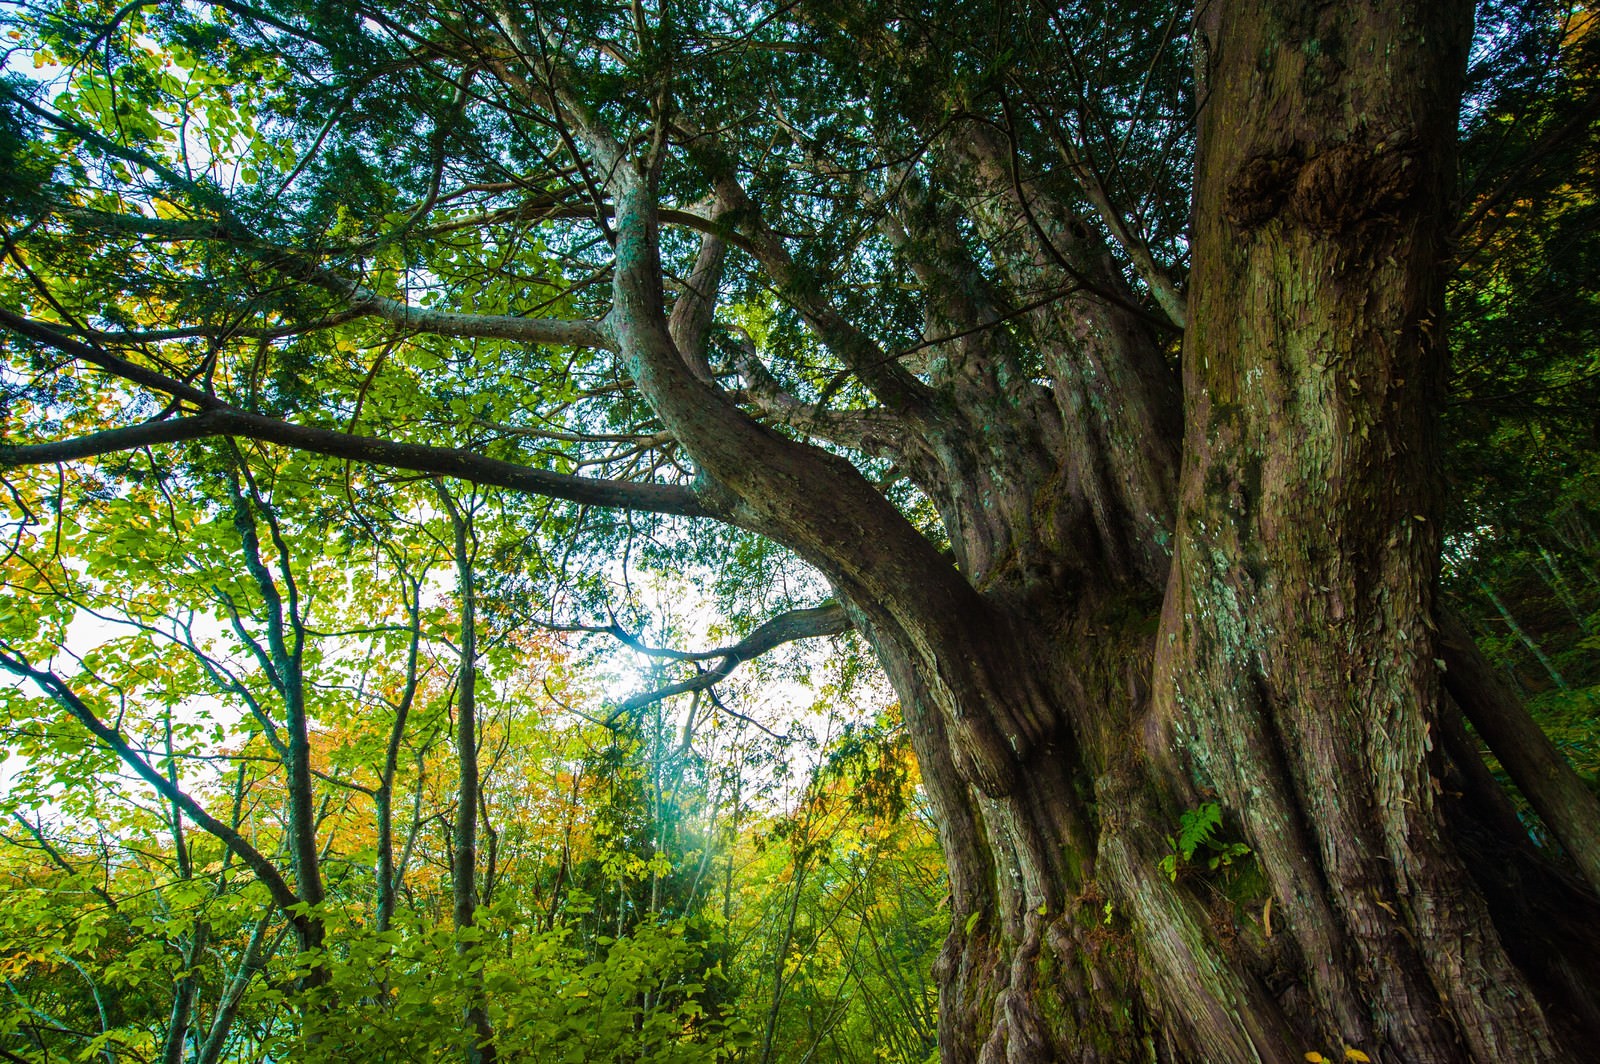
<point x="1338" y="189"/>
<point x="1258" y="191"/>
<point x="1356" y="182"/>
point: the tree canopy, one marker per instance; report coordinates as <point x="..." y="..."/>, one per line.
<point x="1188" y="407"/>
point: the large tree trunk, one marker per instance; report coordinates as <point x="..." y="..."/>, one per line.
<point x="1297" y="659"/>
<point x="1120" y="643"/>
<point x="1290" y="674"/>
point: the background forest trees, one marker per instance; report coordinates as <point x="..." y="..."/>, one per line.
<point x="1189" y="411"/>
<point x="649" y="887"/>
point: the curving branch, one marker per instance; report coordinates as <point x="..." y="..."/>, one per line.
<point x="787" y="627"/>
<point x="692" y="314"/>
<point x="810" y="500"/>
<point x="876" y="432"/>
<point x="361" y="301"/>
<point x="372" y="450"/>
<point x="893" y="385"/>
<point x="1162" y="288"/>
<point x="217" y="418"/>
<point x="233" y="331"/>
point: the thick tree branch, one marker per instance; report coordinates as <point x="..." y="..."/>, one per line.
<point x="895" y="387"/>
<point x="692" y="314"/>
<point x="220" y="419"/>
<point x="1032" y="203"/>
<point x="872" y="431"/>
<point x="361" y="301"/>
<point x="476" y="326"/>
<point x="784" y="628"/>
<point x="233" y="331"/>
<point x="813" y="502"/>
<point x="418" y="458"/>
<point x="1162" y="289"/>
<point x="256" y="954"/>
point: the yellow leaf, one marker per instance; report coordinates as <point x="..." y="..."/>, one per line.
<point x="1357" y="1056"/>
<point x="1315" y="1058"/>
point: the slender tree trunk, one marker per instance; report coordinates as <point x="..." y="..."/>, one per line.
<point x="464" y="859"/>
<point x="258" y="951"/>
<point x="187" y="987"/>
<point x="283" y="660"/>
<point x="386" y="874"/>
<point x="1557" y="582"/>
<point x="1522" y="635"/>
<point x="800" y="844"/>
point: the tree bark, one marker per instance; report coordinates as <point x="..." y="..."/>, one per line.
<point x="1296" y="656"/>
